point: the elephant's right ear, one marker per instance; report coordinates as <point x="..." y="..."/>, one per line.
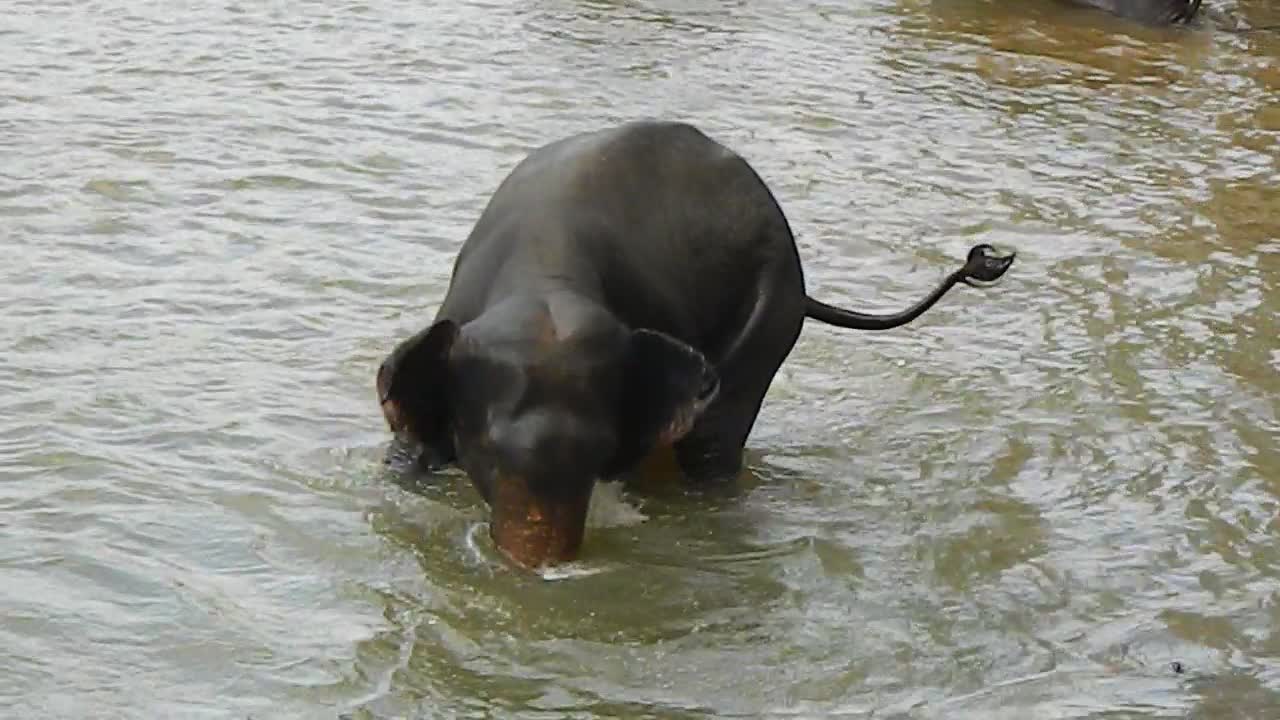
<point x="669" y="384"/>
<point x="412" y="382"/>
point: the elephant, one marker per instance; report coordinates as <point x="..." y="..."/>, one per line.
<point x="625" y="291"/>
<point x="1155" y="12"/>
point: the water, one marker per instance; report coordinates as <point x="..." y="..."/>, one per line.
<point x="1042" y="500"/>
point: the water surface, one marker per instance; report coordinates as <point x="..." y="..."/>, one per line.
<point x="1041" y="500"/>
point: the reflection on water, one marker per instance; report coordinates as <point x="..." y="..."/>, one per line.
<point x="1054" y="498"/>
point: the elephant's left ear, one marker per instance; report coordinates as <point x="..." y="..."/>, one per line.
<point x="412" y="382"/>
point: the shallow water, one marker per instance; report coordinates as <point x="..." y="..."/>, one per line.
<point x="1056" y="498"/>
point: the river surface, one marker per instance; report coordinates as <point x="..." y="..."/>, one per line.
<point x="1055" y="498"/>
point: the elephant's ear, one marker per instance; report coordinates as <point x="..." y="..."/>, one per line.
<point x="413" y="383"/>
<point x="667" y="386"/>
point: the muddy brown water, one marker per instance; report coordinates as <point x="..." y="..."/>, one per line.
<point x="1056" y="498"/>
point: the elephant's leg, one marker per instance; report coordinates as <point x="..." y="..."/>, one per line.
<point x="713" y="448"/>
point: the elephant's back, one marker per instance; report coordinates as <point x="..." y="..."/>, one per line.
<point x="670" y="227"/>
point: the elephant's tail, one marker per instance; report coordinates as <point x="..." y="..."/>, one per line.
<point x="983" y="266"/>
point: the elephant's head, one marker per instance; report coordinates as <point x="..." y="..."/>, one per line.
<point x="535" y="419"/>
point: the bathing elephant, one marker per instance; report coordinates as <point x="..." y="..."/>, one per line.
<point x="625" y="291"/>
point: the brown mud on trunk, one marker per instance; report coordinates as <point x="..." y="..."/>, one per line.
<point x="534" y="530"/>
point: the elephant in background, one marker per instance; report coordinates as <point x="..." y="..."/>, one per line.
<point x="1156" y="12"/>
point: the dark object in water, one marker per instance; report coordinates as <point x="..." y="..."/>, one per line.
<point x="1156" y="12"/>
<point x="625" y="292"/>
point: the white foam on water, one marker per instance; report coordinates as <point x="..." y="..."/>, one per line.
<point x="476" y="539"/>
<point x="609" y="508"/>
<point x="571" y="571"/>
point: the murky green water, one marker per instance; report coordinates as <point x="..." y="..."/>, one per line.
<point x="215" y="219"/>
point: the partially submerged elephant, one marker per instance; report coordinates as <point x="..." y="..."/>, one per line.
<point x="1156" y="12"/>
<point x="625" y="291"/>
